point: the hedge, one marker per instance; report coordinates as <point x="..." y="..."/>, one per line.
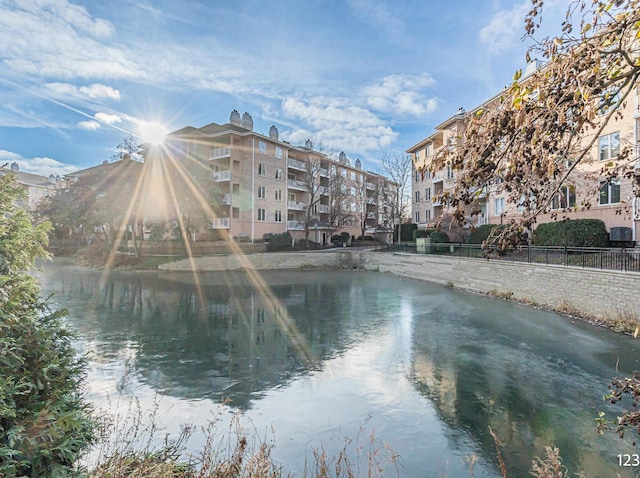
<point x="279" y="242"/>
<point x="572" y="233"/>
<point x="481" y="233"/>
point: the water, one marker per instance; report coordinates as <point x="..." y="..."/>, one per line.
<point x="318" y="355"/>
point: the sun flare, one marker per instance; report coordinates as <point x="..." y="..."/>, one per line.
<point x="153" y="133"/>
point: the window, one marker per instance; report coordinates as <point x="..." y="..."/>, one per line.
<point x="262" y="147"/>
<point x="417" y="215"/>
<point x="279" y="173"/>
<point x="427" y="194"/>
<point x="278" y="152"/>
<point x="278" y="216"/>
<point x="427" y="174"/>
<point x="292" y="197"/>
<point x="498" y="205"/>
<point x="353" y="175"/>
<point x="429" y="149"/>
<point x="609" y="192"/>
<point x="565" y="198"/>
<point x="417" y="196"/>
<point x="449" y="172"/>
<point x="427" y="215"/>
<point x="262" y="193"/>
<point x="353" y="190"/>
<point x="235" y="213"/>
<point x="609" y="145"/>
<point x="417" y="176"/>
<point x="417" y="155"/>
<point x="262" y="169"/>
<point x="262" y="214"/>
<point x="278" y="195"/>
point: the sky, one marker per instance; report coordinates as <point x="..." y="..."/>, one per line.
<point x="366" y="77"/>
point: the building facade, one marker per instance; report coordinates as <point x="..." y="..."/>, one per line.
<point x="256" y="185"/>
<point x="586" y="195"/>
<point x="36" y="187"/>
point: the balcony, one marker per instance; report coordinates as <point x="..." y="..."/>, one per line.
<point x="295" y="184"/>
<point x="295" y="226"/>
<point x="371" y="186"/>
<point x="220" y="176"/>
<point x="295" y="164"/>
<point x="219" y="223"/>
<point x="296" y="206"/>
<point x="371" y="201"/>
<point x="218" y="153"/>
<point x="323" y="208"/>
<point x="226" y="200"/>
<point x="324" y="172"/>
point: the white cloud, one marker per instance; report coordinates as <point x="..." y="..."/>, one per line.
<point x="337" y="122"/>
<point x="401" y="95"/>
<point x="98" y="90"/>
<point x="38" y="165"/>
<point x="90" y="125"/>
<point x="95" y="90"/>
<point x="108" y="118"/>
<point x="504" y="29"/>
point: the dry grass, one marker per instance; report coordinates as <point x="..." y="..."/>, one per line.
<point x="132" y="445"/>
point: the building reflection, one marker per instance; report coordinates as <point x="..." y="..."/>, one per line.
<point x="483" y="379"/>
<point x="231" y="339"/>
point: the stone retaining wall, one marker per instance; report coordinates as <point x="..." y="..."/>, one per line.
<point x="590" y="292"/>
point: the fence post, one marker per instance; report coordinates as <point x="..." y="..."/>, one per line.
<point x="566" y="258"/>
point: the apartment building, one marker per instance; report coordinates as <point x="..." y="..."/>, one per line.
<point x="36" y="186"/>
<point x="586" y="194"/>
<point x="258" y="184"/>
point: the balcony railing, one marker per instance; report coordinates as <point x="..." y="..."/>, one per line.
<point x="323" y="208"/>
<point x="295" y="226"/>
<point x="226" y="199"/>
<point x="219" y="176"/>
<point x="296" y="206"/>
<point x="217" y="153"/>
<point x="219" y="223"/>
<point x="294" y="163"/>
<point x="371" y="186"/>
<point x="295" y="184"/>
<point x="324" y="172"/>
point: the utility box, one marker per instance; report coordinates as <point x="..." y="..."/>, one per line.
<point x="620" y="234"/>
<point x="423" y="245"/>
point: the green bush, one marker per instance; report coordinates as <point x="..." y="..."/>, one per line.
<point x="439" y="237"/>
<point x="279" y="242"/>
<point x="572" y="233"/>
<point x="44" y="423"/>
<point x="406" y="232"/>
<point x="422" y="233"/>
<point x="481" y="233"/>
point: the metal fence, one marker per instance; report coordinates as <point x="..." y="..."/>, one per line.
<point x="619" y="259"/>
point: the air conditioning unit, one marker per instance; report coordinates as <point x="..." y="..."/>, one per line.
<point x="620" y="234"/>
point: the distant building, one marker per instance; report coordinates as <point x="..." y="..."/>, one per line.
<point x="37" y="187"/>
<point x="260" y="184"/>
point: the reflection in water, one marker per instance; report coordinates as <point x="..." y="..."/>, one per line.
<point x="434" y="368"/>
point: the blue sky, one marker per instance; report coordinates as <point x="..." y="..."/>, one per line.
<point x="362" y="76"/>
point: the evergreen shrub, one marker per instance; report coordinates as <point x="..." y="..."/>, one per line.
<point x="572" y="233"/>
<point x="279" y="242"/>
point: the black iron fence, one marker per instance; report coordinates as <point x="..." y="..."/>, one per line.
<point x="618" y="259"/>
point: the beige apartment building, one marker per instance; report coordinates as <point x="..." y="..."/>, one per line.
<point x="36" y="186"/>
<point x="615" y="203"/>
<point x="258" y="184"/>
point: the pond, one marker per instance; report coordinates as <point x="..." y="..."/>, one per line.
<point x="312" y="357"/>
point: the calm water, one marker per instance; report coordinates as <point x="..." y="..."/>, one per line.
<point x="318" y="355"/>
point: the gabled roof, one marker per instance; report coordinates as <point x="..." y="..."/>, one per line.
<point x="28" y="179"/>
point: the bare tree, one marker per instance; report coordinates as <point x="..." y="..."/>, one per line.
<point x="396" y="167"/>
<point x="313" y="188"/>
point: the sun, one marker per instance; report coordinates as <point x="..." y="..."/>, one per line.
<point x="153" y="133"/>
